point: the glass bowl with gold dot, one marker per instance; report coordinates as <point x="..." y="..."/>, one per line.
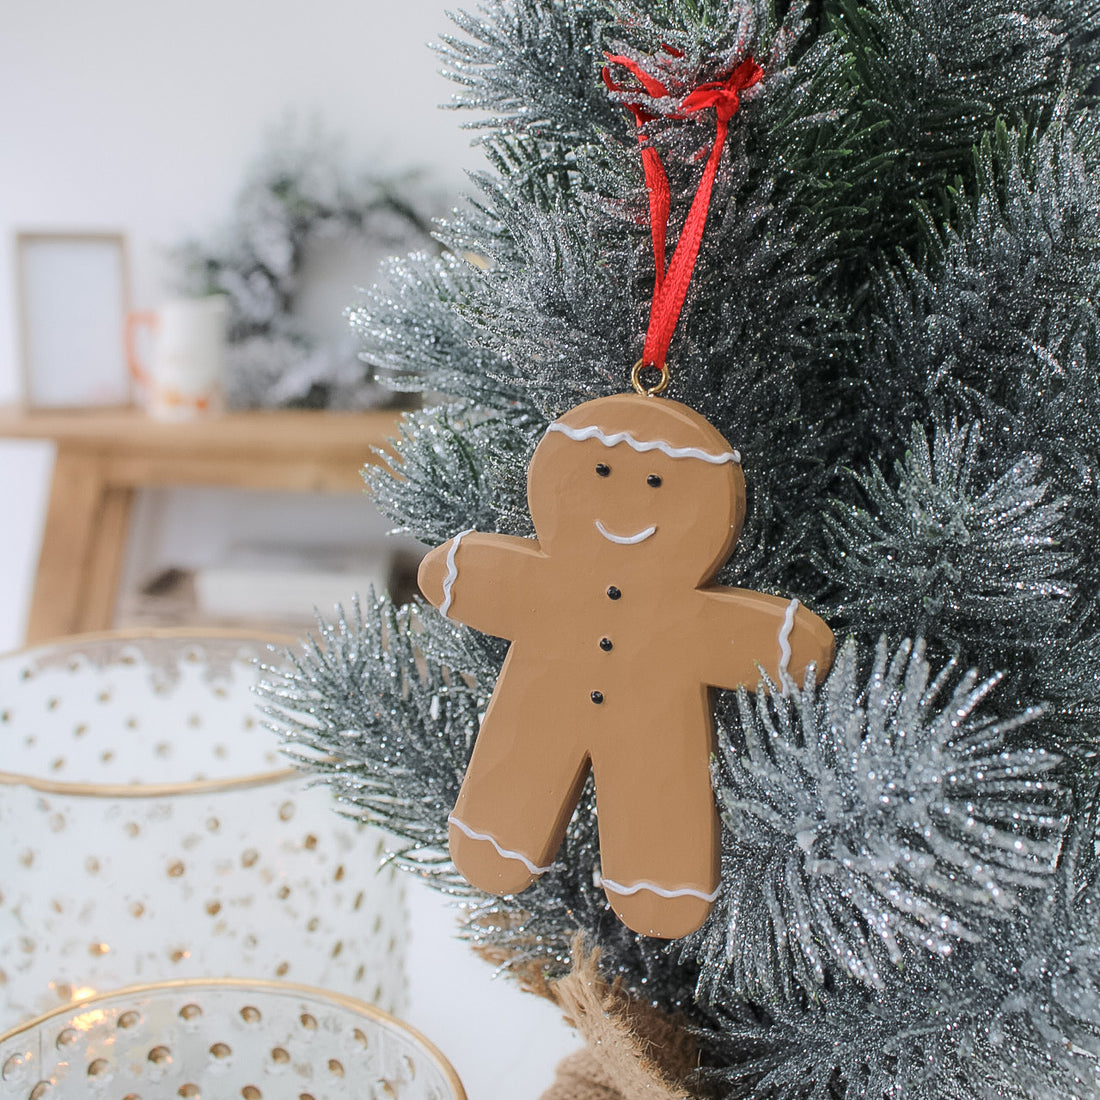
<point x="222" y="1040"/>
<point x="153" y="830"/>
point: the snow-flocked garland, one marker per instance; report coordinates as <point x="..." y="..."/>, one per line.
<point x="297" y="194"/>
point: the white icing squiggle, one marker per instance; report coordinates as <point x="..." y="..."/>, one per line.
<point x="452" y="572"/>
<point x="785" y="643"/>
<point x="643" y="445"/>
<point x="507" y="853"/>
<point x="660" y="891"/>
<point x="625" y="540"/>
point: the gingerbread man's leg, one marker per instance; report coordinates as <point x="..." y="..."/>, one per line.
<point x="523" y="782"/>
<point x="659" y="826"/>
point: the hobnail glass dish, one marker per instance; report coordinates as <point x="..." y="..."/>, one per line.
<point x="153" y="831"/>
<point x="219" y="1040"/>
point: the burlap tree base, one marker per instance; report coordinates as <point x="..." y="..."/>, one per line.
<point x="632" y="1051"/>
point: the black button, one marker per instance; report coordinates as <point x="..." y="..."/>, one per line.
<point x="597" y="697"/>
<point x="613" y="593"/>
<point x="603" y="469"/>
<point x="605" y="645"/>
<point x="653" y="480"/>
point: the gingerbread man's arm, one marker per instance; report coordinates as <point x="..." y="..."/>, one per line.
<point x="486" y="581"/>
<point x="748" y="631"/>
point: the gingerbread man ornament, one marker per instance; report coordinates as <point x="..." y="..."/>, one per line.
<point x="618" y="635"/>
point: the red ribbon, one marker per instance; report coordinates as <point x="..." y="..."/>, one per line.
<point x="671" y="283"/>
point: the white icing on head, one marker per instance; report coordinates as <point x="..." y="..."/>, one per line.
<point x="625" y="540"/>
<point x="660" y="891"/>
<point x="785" y="644"/>
<point x="644" y="445"/>
<point x="507" y="853"/>
<point x="452" y="572"/>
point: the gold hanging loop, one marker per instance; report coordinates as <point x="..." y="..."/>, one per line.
<point x="649" y="391"/>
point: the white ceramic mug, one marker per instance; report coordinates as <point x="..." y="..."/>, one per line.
<point x="183" y="378"/>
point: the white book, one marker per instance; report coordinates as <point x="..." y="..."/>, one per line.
<point x="261" y="581"/>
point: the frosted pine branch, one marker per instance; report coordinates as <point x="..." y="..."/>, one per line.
<point x="948" y="551"/>
<point x="876" y="819"/>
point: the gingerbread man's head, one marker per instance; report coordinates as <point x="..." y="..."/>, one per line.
<point x="639" y="476"/>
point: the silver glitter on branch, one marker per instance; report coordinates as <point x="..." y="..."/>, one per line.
<point x="549" y="85"/>
<point x="711" y="32"/>
<point x="875" y="819"/>
<point x="559" y="320"/>
<point x="457" y="470"/>
<point x="951" y="553"/>
<point x="411" y="331"/>
<point x="933" y="77"/>
<point x="1002" y="325"/>
<point x="1017" y="1017"/>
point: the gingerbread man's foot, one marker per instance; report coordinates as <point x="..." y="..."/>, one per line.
<point x="653" y="910"/>
<point x="489" y="865"/>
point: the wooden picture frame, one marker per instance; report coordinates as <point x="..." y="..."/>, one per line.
<point x="73" y="295"/>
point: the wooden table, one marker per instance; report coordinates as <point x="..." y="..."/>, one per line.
<point x="104" y="457"/>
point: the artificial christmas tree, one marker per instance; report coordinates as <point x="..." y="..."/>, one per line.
<point x="891" y="316"/>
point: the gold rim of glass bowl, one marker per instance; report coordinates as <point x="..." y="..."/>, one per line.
<point x="73" y="644"/>
<point x="245" y="985"/>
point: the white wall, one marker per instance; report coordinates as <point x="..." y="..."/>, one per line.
<point x="142" y="116"/>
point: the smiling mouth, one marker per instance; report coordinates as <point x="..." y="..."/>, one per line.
<point x="625" y="540"/>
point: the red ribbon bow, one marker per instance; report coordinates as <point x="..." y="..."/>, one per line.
<point x="671" y="284"/>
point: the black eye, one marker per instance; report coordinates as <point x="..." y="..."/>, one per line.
<point x="603" y="469"/>
<point x="653" y="480"/>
